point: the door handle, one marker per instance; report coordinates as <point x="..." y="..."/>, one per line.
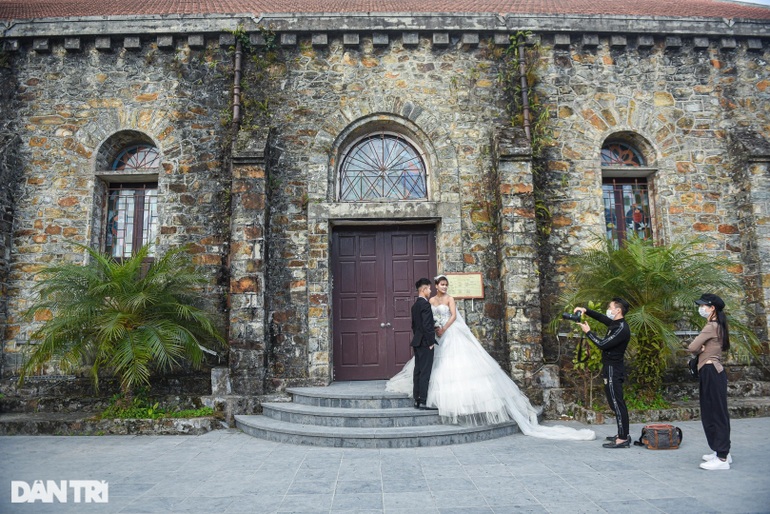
<point x="384" y="325"/>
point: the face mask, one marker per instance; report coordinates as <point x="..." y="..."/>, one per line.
<point x="610" y="314"/>
<point x="703" y="311"/>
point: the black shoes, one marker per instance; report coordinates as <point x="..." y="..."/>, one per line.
<point x="416" y="404"/>
<point x="611" y="437"/>
<point x="425" y="407"/>
<point x="613" y="444"/>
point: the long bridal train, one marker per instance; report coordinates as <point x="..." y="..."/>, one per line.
<point x="468" y="386"/>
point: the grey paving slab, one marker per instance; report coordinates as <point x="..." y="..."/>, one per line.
<point x="404" y="485"/>
<point x="466" y="510"/>
<point x="227" y="471"/>
<point x="357" y="502"/>
<point x="448" y="500"/>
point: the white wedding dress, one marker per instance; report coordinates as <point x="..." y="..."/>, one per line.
<point x="468" y="386"/>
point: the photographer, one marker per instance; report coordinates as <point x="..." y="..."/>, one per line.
<point x="613" y="347"/>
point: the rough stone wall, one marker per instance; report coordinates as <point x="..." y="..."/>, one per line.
<point x="70" y="103"/>
<point x="10" y="171"/>
<point x="681" y="100"/>
<point x="263" y="232"/>
<point x="447" y="95"/>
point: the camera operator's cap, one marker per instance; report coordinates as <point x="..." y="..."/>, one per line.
<point x="712" y="300"/>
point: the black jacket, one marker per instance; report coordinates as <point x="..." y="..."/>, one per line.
<point x="422" y="324"/>
<point x="614" y="344"/>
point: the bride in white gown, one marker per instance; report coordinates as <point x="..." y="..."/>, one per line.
<point x="467" y="385"/>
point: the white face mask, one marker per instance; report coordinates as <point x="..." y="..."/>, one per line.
<point x="703" y="311"/>
<point x="610" y="314"/>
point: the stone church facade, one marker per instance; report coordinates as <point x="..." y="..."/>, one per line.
<point x="318" y="165"/>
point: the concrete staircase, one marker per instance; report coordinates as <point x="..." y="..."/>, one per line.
<point x="359" y="415"/>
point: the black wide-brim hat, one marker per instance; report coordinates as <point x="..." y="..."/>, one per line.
<point x="712" y="300"/>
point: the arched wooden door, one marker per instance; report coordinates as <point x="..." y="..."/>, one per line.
<point x="373" y="271"/>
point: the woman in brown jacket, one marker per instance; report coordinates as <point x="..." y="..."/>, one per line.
<point x="709" y="346"/>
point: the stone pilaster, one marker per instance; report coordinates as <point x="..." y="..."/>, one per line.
<point x="752" y="153"/>
<point x="247" y="265"/>
<point x="10" y="176"/>
<point x="759" y="176"/>
<point x="518" y="259"/>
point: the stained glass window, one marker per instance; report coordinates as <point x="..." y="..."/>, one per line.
<point x="132" y="218"/>
<point x="132" y="208"/>
<point x="382" y="166"/>
<point x="627" y="209"/>
<point x="137" y="157"/>
<point x="621" y="154"/>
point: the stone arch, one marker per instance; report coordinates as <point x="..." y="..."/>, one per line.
<point x="109" y="148"/>
<point x="105" y="177"/>
<point x="636" y="120"/>
<point x="130" y="122"/>
<point x="390" y="112"/>
<point x="386" y="123"/>
<point x="635" y="139"/>
<point x="632" y="119"/>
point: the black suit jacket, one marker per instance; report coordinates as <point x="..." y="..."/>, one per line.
<point x="422" y="324"/>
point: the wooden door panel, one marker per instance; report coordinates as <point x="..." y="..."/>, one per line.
<point x="348" y="309"/>
<point x="369" y="308"/>
<point x="421" y="245"/>
<point x="348" y="348"/>
<point x="374" y="271"/>
<point x="370" y="348"/>
<point x="402" y="347"/>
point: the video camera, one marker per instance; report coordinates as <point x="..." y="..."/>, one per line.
<point x="575" y="317"/>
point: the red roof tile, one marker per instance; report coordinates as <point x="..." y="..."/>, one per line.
<point x="28" y="9"/>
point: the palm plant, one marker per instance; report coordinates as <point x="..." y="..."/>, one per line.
<point x="126" y="317"/>
<point x="660" y="282"/>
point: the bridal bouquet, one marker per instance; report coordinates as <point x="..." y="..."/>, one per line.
<point x="439" y="320"/>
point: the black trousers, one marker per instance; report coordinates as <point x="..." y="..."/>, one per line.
<point x="423" y="364"/>
<point x="613" y="389"/>
<point x="713" y="409"/>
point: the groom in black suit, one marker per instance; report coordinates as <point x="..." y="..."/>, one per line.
<point x="422" y="342"/>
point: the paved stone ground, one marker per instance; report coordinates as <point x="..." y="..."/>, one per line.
<point x="226" y="471"/>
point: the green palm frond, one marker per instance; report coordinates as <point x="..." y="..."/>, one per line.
<point x="128" y="317"/>
<point x="660" y="282"/>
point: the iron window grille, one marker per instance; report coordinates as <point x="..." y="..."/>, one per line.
<point x="626" y="199"/>
<point x="137" y="157"/>
<point x="132" y="218"/>
<point x="382" y="167"/>
<point x="132" y="208"/>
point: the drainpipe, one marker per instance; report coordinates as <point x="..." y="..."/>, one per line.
<point x="524" y="87"/>
<point x="237" y="85"/>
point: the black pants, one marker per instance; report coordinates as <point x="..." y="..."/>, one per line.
<point x="613" y="389"/>
<point x="423" y="364"/>
<point x="713" y="409"/>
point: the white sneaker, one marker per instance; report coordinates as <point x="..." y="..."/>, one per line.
<point x="715" y="464"/>
<point x="712" y="456"/>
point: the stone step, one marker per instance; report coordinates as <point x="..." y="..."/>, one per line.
<point x="349" y="417"/>
<point x="350" y="437"/>
<point x="367" y="397"/>
<point x="359" y="415"/>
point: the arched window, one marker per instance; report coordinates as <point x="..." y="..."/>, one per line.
<point x="132" y="218"/>
<point x="136" y="158"/>
<point x="621" y="154"/>
<point x="625" y="191"/>
<point x="131" y="203"/>
<point x="384" y="166"/>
